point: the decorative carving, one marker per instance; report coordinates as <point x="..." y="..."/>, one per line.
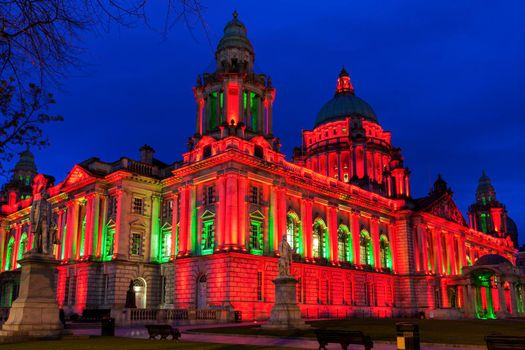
<point x="446" y="209"/>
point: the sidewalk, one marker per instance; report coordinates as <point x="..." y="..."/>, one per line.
<point x="301" y="343"/>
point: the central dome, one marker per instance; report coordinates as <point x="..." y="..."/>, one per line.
<point x="345" y="103"/>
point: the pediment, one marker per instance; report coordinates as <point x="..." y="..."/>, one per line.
<point x="444" y="207"/>
<point x="77" y="175"/>
<point x="257" y="214"/>
<point x="207" y="214"/>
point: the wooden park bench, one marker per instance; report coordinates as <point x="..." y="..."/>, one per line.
<point x="344" y="338"/>
<point x="497" y="342"/>
<point x="164" y="330"/>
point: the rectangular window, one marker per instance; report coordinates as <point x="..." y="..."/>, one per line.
<point x="209" y="195"/>
<point x="259" y="286"/>
<point x="254" y="195"/>
<point x="138" y="205"/>
<point x="112" y="206"/>
<point x="136" y="244"/>
<point x="167" y="210"/>
<point x="256" y="239"/>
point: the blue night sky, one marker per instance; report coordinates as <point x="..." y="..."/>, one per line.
<point x="447" y="78"/>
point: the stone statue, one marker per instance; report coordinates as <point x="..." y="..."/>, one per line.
<point x="131" y="302"/>
<point x="40" y="217"/>
<point x="285" y="257"/>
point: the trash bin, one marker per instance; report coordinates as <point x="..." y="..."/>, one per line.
<point x="238" y="316"/>
<point x="407" y="336"/>
<point x="107" y="327"/>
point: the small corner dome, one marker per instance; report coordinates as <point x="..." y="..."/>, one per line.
<point x="235" y="36"/>
<point x="345" y="103"/>
<point x="492" y="259"/>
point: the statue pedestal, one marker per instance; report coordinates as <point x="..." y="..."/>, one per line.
<point x="285" y="313"/>
<point x="35" y="313"/>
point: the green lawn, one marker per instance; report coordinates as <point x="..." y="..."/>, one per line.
<point x="431" y="331"/>
<point x="115" y="343"/>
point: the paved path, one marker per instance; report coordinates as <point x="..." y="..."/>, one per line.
<point x="140" y="332"/>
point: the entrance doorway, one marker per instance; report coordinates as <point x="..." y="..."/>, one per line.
<point x="140" y="289"/>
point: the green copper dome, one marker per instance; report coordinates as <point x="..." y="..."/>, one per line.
<point x="344" y="103"/>
<point x="235" y="36"/>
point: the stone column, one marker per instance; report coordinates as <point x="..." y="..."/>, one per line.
<point x="331" y="216"/>
<point x="306" y="220"/>
<point x="514" y="304"/>
<point x="424" y="248"/>
<point x="121" y="225"/>
<point x="274" y="214"/>
<point x="183" y="229"/>
<point x="231" y="210"/>
<point x="502" y="312"/>
<point x="243" y="236"/>
<point x="60" y="233"/>
<point x="221" y="212"/>
<point x="374" y="227"/>
<point x="155" y="239"/>
<point x="71" y="229"/>
<point x="356" y="236"/>
<point x="174" y="222"/>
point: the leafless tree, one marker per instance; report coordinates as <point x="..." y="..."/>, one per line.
<point x="39" y="45"/>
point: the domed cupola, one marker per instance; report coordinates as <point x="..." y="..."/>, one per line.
<point x="344" y="104"/>
<point x="347" y="143"/>
<point x="235" y="51"/>
<point x="489" y="215"/>
<point x="233" y="101"/>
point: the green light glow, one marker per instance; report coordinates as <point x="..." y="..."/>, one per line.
<point x="366" y="249"/>
<point x="483" y="279"/>
<point x="385" y="254"/>
<point x="254" y="107"/>
<point x="256" y="237"/>
<point x="82" y="236"/>
<point x="156" y="242"/>
<point x="9" y="254"/>
<point x="208" y="237"/>
<point x="108" y="243"/>
<point x="22" y="247"/>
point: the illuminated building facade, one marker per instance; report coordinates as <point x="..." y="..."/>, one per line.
<point x="202" y="233"/>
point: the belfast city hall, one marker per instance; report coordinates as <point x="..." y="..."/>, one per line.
<point x="198" y="234"/>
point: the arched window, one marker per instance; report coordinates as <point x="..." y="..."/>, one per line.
<point x="140" y="288"/>
<point x="384" y="252"/>
<point x="365" y="251"/>
<point x="9" y="254"/>
<point x="344" y="244"/>
<point x="293" y="231"/>
<point x="320" y="239"/>
<point x="22" y="247"/>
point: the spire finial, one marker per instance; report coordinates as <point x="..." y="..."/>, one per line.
<point x="235" y="14"/>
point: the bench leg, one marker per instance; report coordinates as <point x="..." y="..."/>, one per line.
<point x="344" y="346"/>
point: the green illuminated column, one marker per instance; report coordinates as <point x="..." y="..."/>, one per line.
<point x="155" y="240"/>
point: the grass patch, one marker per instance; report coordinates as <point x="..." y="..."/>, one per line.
<point x="116" y="343"/>
<point x="431" y="331"/>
